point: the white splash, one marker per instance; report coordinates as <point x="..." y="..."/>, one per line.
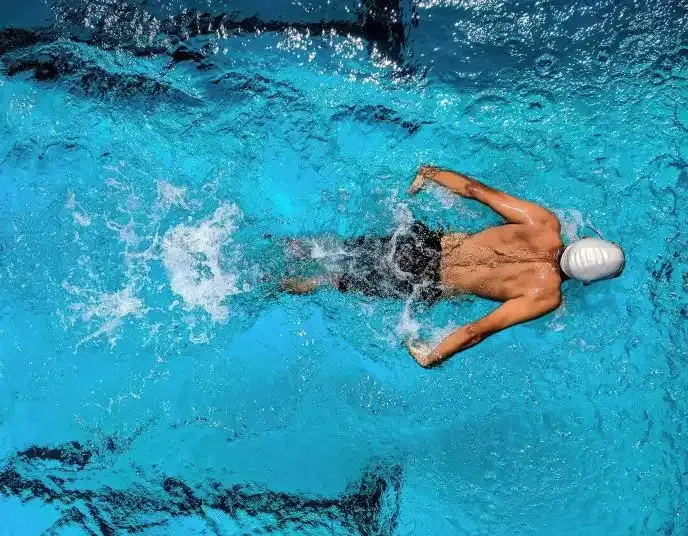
<point x="403" y="216"/>
<point x="107" y="310"/>
<point x="78" y="213"/>
<point x="170" y="195"/>
<point x="448" y="200"/>
<point x="571" y="221"/>
<point x="126" y="233"/>
<point x="192" y="257"/>
<point x="407" y="326"/>
<point x="115" y="305"/>
<point x="556" y="323"/>
<point x="323" y="250"/>
<point x="437" y="335"/>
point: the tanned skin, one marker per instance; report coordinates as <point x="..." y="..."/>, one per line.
<point x="516" y="263"/>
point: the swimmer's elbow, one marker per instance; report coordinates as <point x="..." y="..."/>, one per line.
<point x="550" y="220"/>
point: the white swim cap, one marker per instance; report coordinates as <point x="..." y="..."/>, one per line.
<point x="591" y="259"/>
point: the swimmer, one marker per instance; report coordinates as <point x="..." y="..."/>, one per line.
<point x="521" y="264"/>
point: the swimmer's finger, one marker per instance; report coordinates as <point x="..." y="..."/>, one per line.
<point x="417" y="184"/>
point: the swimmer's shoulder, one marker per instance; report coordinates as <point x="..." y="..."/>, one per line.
<point x="548" y="285"/>
<point x="545" y="298"/>
<point x="548" y="223"/>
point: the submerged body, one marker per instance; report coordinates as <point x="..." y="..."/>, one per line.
<point x="518" y="263"/>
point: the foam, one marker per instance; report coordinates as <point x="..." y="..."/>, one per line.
<point x="108" y="310"/>
<point x="197" y="264"/>
<point x="403" y="218"/>
<point x="170" y="195"/>
<point x="79" y="215"/>
<point x="571" y="221"/>
<point x="407" y="326"/>
<point x="323" y="250"/>
<point x="449" y="200"/>
<point x="115" y="305"/>
<point x="125" y="233"/>
<point x="192" y="257"/>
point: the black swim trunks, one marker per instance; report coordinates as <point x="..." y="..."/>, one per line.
<point x="405" y="264"/>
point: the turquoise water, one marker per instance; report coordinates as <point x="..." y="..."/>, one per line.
<point x="153" y="381"/>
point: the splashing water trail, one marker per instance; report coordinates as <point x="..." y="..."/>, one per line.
<point x="192" y="257"/>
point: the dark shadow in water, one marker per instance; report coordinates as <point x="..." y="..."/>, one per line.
<point x="379" y="22"/>
<point x="63" y="477"/>
<point x="378" y="114"/>
<point x="55" y="61"/>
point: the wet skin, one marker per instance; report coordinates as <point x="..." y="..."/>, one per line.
<point x="516" y="263"/>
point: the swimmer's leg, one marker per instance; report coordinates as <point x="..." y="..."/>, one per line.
<point x="326" y="248"/>
<point x="307" y="285"/>
<point x="319" y="255"/>
<point x="350" y="265"/>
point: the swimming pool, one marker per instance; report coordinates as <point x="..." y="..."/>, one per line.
<point x="153" y="158"/>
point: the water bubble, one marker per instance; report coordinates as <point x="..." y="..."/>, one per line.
<point x="486" y="104"/>
<point x="603" y="55"/>
<point x="514" y="45"/>
<point x="535" y="104"/>
<point x="588" y="90"/>
<point x="545" y="65"/>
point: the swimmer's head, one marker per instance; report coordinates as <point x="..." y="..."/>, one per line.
<point x="592" y="259"/>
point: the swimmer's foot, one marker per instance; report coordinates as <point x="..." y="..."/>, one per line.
<point x="299" y="285"/>
<point x="306" y="285"/>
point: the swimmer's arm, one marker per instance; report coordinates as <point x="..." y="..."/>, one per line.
<point x="512" y="209"/>
<point x="514" y="311"/>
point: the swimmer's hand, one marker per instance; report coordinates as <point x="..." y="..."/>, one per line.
<point x="458" y="183"/>
<point x="424" y="174"/>
<point x="422" y="352"/>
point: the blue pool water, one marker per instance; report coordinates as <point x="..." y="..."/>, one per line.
<point x="152" y="160"/>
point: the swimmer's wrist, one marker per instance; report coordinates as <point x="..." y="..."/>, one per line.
<point x="434" y="357"/>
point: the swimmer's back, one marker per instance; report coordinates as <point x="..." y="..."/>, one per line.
<point x="503" y="262"/>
